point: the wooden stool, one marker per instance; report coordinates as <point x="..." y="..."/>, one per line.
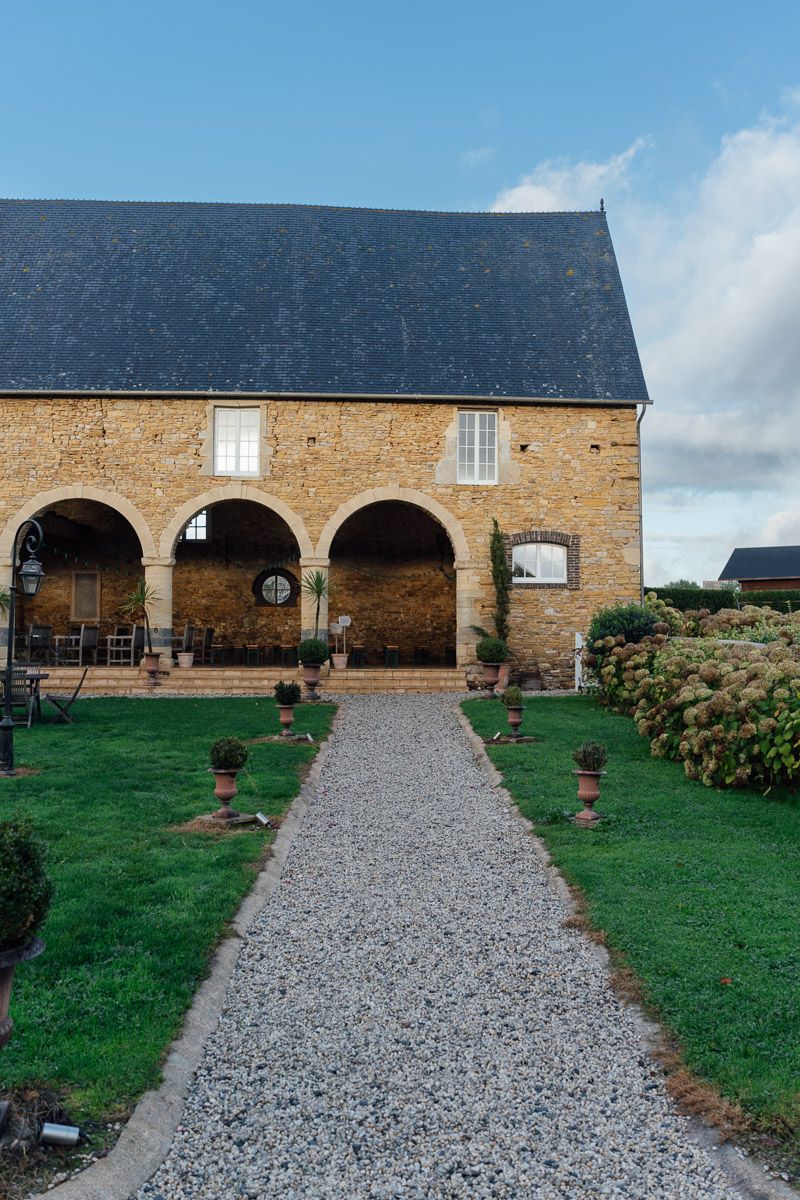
<point x="391" y="656"/>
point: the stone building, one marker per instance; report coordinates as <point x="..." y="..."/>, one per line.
<point x="223" y="397"/>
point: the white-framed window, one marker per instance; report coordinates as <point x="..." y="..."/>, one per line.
<point x="477" y="447"/>
<point x="539" y="562"/>
<point x="197" y="528"/>
<point x="236" y="437"/>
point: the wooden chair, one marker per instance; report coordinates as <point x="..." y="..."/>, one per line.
<point x="65" y="703"/>
<point x="40" y="640"/>
<point x="185" y="643"/>
<point x="120" y="646"/>
<point x="21" y="695"/>
<point x="72" y="649"/>
<point x="203" y="652"/>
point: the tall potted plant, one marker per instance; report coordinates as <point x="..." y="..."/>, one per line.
<point x="312" y="653"/>
<point x="136" y="605"/>
<point x="492" y="652"/>
<point x="512" y="698"/>
<point x="286" y="695"/>
<point x="590" y="758"/>
<point x="25" y="895"/>
<point x="228" y="756"/>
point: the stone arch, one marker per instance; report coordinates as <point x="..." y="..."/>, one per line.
<point x="450" y="524"/>
<point x="234" y="491"/>
<point x="78" y="491"/>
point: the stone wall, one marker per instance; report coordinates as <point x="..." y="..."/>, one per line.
<point x="567" y="468"/>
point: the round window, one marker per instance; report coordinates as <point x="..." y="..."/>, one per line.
<point x="276" y="589"/>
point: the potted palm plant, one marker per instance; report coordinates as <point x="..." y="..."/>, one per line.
<point x="25" y="895"/>
<point x="286" y="695"/>
<point x="512" y="698"/>
<point x="315" y="585"/>
<point x="228" y="756"/>
<point x="590" y="758"/>
<point x="491" y="652"/>
<point x="136" y="605"/>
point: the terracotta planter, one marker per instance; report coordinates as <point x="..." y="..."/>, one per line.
<point x="588" y="793"/>
<point x="339" y="661"/>
<point x="224" y="790"/>
<point x="514" y="718"/>
<point x="286" y="717"/>
<point x="311" y="674"/>
<point x="151" y="661"/>
<point x="186" y="660"/>
<point x="9" y="959"/>
<point x="491" y="674"/>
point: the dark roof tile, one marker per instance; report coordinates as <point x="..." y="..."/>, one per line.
<point x="98" y="295"/>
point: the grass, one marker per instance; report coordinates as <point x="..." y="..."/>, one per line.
<point x="697" y="888"/>
<point x="139" y="904"/>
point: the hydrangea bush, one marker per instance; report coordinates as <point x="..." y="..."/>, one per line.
<point x="729" y="712"/>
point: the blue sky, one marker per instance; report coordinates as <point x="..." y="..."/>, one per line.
<point x="686" y="117"/>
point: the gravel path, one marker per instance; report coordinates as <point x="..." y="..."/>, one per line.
<point x="409" y="1018"/>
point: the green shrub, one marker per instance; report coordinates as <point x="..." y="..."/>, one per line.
<point x="492" y="650"/>
<point x="25" y="888"/>
<point x="631" y="622"/>
<point x="691" y="599"/>
<point x="287" y="693"/>
<point x="313" y="652"/>
<point x="591" y="756"/>
<point x="228" y="754"/>
<point x="512" y="697"/>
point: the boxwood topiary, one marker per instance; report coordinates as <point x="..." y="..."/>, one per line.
<point x="25" y="887"/>
<point x="492" y="650"/>
<point x="512" y="697"/>
<point x="313" y="652"/>
<point x="287" y="693"/>
<point x="228" y="754"/>
<point x="630" y="621"/>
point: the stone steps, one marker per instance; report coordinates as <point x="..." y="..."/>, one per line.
<point x="232" y="680"/>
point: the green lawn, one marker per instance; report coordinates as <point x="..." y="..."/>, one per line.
<point x="695" y="886"/>
<point x="139" y="905"/>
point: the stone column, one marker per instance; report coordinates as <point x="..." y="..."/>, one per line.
<point x="5" y="582"/>
<point x="308" y="604"/>
<point x="158" y="576"/>
<point x="468" y="592"/>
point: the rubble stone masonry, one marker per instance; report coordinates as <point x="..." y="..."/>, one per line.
<point x="570" y="470"/>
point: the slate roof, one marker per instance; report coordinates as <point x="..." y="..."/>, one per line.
<point x="763" y="562"/>
<point x="110" y="296"/>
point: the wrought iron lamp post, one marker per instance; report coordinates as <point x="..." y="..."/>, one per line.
<point x="30" y="576"/>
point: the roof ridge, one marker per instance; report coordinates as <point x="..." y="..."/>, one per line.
<point x="431" y="212"/>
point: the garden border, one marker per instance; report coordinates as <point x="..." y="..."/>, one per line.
<point x="146" y="1139"/>
<point x="743" y="1173"/>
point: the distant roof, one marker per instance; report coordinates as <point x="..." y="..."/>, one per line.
<point x="763" y="562"/>
<point x="109" y="296"/>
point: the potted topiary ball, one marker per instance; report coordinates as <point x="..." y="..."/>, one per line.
<point x="512" y="698"/>
<point x="590" y="758"/>
<point x="286" y="695"/>
<point x="228" y="756"/>
<point x="25" y="895"/>
<point x="312" y="653"/>
<point x="491" y="652"/>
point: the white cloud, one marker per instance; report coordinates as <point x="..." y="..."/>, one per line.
<point x="557" y="185"/>
<point x="712" y="275"/>
<point x="471" y="159"/>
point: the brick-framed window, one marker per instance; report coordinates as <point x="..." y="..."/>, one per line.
<point x="544" y="558"/>
<point x="476" y="453"/>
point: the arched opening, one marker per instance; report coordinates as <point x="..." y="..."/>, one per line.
<point x="237" y="572"/>
<point x="392" y="571"/>
<point x="92" y="559"/>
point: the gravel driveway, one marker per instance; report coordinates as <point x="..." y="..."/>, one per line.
<point x="409" y="1018"/>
